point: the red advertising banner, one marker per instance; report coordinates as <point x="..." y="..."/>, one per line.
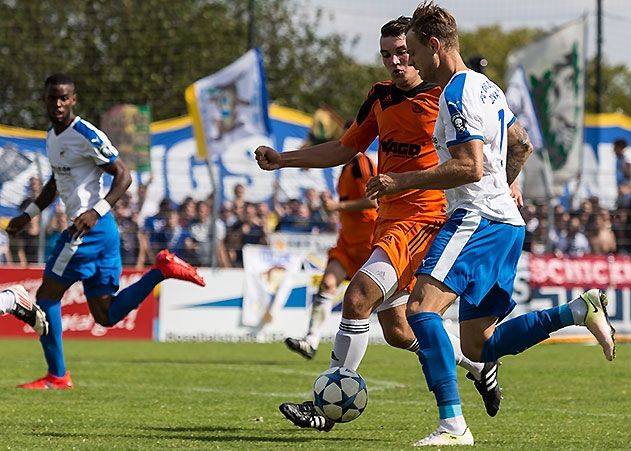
<point x="589" y="271"/>
<point x="76" y="318"/>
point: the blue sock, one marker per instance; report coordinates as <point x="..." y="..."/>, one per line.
<point x="565" y="313"/>
<point x="518" y="334"/>
<point x="437" y="360"/>
<point x="451" y="411"/>
<point x="52" y="344"/>
<point x="131" y="297"/>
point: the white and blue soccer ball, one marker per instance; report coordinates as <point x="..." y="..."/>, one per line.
<point x="340" y="394"/>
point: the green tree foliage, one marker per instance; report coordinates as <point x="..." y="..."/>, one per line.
<point x="305" y="70"/>
<point x="147" y="52"/>
<point x="119" y="51"/>
<point x="494" y="44"/>
<point x="616" y="89"/>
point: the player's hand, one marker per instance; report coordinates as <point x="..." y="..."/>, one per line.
<point x="18" y="223"/>
<point x="515" y="193"/>
<point x="330" y="205"/>
<point x="381" y="185"/>
<point x="83" y="223"/>
<point x="267" y="158"/>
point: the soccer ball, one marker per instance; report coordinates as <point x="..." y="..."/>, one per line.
<point x="340" y="394"/>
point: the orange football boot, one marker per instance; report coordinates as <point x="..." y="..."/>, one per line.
<point x="50" y="382"/>
<point x="173" y="267"/>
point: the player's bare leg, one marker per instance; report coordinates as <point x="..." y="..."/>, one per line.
<point x="320" y="311"/>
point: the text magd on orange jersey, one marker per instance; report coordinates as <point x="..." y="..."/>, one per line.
<point x="404" y="122"/>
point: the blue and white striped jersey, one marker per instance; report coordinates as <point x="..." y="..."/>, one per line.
<point x="473" y="107"/>
<point x="75" y="156"/>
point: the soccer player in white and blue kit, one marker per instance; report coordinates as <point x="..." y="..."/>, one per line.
<point x="482" y="148"/>
<point x="89" y="250"/>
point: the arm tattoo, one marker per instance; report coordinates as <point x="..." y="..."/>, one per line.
<point x="519" y="149"/>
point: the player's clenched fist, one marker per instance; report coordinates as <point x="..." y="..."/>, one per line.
<point x="381" y="185"/>
<point x="267" y="158"/>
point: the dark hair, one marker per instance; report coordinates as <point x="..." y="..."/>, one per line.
<point x="430" y="20"/>
<point x="396" y="27"/>
<point x="58" y="79"/>
<point x="620" y="142"/>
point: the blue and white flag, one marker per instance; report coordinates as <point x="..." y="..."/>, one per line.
<point x="229" y="105"/>
<point x="522" y="105"/>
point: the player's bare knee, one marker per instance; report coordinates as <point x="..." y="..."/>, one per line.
<point x="50" y="290"/>
<point x="99" y="308"/>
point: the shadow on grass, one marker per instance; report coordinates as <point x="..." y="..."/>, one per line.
<point x="210" y="362"/>
<point x="208" y="434"/>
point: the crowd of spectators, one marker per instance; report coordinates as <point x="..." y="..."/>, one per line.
<point x="187" y="228"/>
<point x="588" y="230"/>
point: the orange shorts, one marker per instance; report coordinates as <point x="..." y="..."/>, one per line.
<point x="351" y="257"/>
<point x="405" y="242"/>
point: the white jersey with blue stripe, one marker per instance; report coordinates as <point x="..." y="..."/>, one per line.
<point x="473" y="107"/>
<point x="75" y="156"/>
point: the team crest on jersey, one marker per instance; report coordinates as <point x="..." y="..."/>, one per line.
<point x="459" y="122"/>
<point x="416" y="107"/>
<point x="105" y="150"/>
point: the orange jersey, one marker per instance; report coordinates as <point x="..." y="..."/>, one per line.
<point x="404" y="122"/>
<point x="356" y="226"/>
<point x="354" y="243"/>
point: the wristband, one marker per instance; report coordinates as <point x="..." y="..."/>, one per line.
<point x="102" y="207"/>
<point x="32" y="210"/>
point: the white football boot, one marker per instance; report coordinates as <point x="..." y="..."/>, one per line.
<point x="27" y="311"/>
<point x="597" y="321"/>
<point x="444" y="438"/>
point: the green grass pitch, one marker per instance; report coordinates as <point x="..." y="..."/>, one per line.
<point x="138" y="395"/>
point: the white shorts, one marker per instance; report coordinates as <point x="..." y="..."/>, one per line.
<point x="379" y="268"/>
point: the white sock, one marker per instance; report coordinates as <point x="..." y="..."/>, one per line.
<point x="7" y="302"/>
<point x="320" y="313"/>
<point x="578" y="307"/>
<point x="454" y="425"/>
<point x="351" y="342"/>
<point x="474" y="368"/>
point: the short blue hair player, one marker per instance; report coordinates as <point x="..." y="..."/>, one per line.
<point x="482" y="149"/>
<point x="89" y="250"/>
